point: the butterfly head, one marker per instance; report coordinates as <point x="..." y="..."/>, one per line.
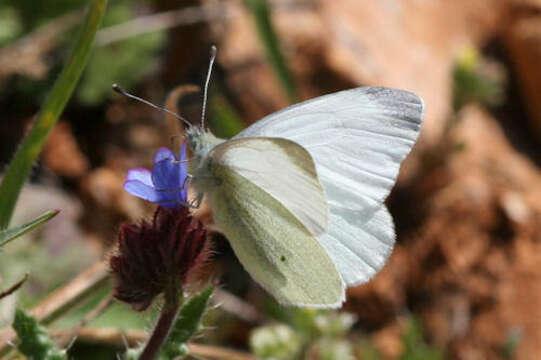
<point x="201" y="141"/>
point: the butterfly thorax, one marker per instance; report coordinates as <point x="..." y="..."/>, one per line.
<point x="201" y="141"/>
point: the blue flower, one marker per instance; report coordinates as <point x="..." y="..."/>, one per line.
<point x="165" y="184"/>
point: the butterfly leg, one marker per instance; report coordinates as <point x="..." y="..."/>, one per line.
<point x="196" y="203"/>
<point x="186" y="181"/>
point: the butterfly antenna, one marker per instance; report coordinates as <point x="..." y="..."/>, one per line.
<point x="205" y="92"/>
<point x="120" y="90"/>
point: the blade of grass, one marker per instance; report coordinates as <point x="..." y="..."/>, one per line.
<point x="225" y="121"/>
<point x="13" y="233"/>
<point x="261" y="12"/>
<point x="26" y="155"/>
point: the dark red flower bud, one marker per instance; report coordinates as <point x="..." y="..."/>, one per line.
<point x="151" y="257"/>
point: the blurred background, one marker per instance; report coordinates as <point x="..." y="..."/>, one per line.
<point x="464" y="281"/>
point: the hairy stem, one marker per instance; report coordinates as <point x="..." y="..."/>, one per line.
<point x="163" y="326"/>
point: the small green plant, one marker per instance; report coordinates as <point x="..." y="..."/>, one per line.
<point x="332" y="349"/>
<point x="277" y="341"/>
<point x="326" y="335"/>
<point x="512" y="341"/>
<point x="477" y="80"/>
<point x="35" y="343"/>
<point x="304" y="332"/>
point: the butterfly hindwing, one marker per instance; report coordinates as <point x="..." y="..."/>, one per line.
<point x="273" y="245"/>
<point x="285" y="171"/>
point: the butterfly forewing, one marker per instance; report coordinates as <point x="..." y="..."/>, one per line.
<point x="357" y="138"/>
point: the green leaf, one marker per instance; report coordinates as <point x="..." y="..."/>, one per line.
<point x="35" y="343"/>
<point x="26" y="155"/>
<point x="13" y="233"/>
<point x="187" y="324"/>
<point x="261" y="12"/>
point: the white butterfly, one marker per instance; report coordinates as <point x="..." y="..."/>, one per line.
<point x="299" y="194"/>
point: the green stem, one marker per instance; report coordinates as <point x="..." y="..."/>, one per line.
<point x="262" y="15"/>
<point x="19" y="168"/>
<point x="163" y="326"/>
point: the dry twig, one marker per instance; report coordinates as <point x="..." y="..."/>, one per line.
<point x="14" y="287"/>
<point x="31" y="49"/>
<point x="162" y="21"/>
<point x="97" y="311"/>
<point x="234" y="305"/>
<point x="61" y="300"/>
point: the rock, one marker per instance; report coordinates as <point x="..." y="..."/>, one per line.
<point x="333" y="45"/>
<point x="467" y="261"/>
<point x="407" y="44"/>
<point x="107" y="204"/>
<point x="62" y="154"/>
<point x="484" y="224"/>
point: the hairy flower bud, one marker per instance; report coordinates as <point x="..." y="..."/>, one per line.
<point x="153" y="256"/>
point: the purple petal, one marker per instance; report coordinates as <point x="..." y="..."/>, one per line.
<point x="182" y="152"/>
<point x="183" y="169"/>
<point x="172" y="199"/>
<point x="166" y="175"/>
<point x="162" y="154"/>
<point x="139" y="189"/>
<point x="169" y="199"/>
<point x="182" y="195"/>
<point x="162" y="185"/>
<point x="140" y="174"/>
